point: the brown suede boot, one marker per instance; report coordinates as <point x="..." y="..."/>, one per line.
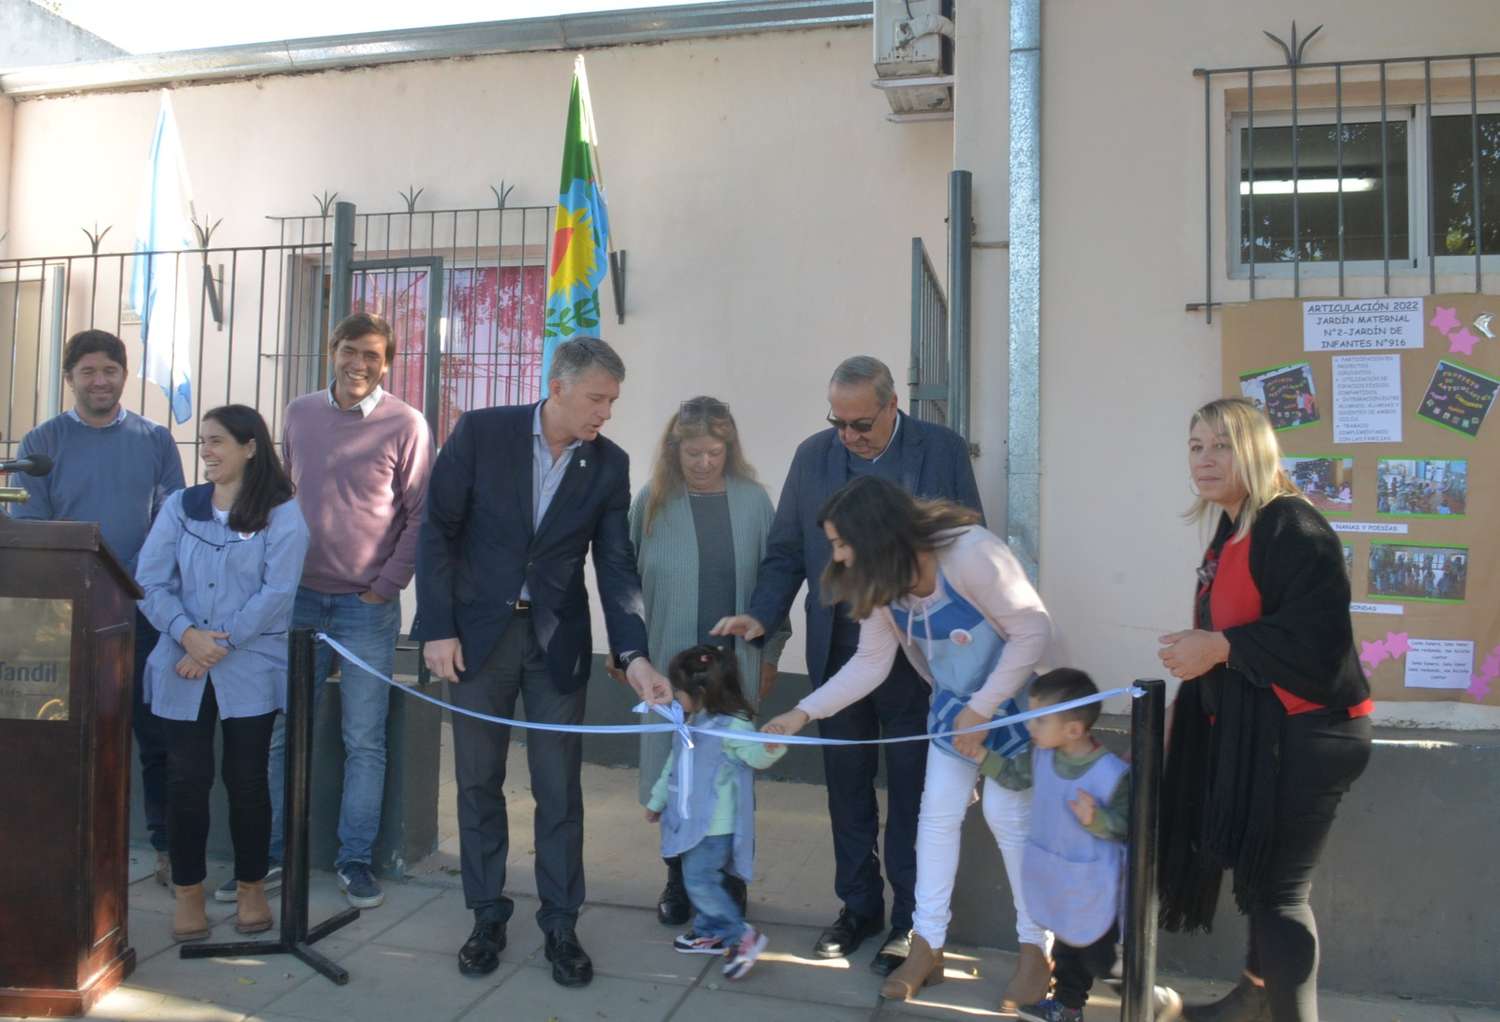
<point x="1032" y="978"/>
<point x="254" y="914"/>
<point x="189" y="921"/>
<point x="923" y="967"/>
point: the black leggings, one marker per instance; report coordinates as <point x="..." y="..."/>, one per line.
<point x="1322" y="754"/>
<point x="190" y="778"/>
<point x="1076" y="968"/>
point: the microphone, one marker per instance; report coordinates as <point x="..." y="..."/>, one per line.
<point x="36" y="465"/>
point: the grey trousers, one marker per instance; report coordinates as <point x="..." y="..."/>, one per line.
<point x="515" y="670"/>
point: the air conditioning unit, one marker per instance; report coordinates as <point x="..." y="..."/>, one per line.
<point x="914" y="56"/>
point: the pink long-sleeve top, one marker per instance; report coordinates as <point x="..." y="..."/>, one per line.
<point x="984" y="572"/>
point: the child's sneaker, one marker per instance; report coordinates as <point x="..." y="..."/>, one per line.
<point x="695" y="943"/>
<point x="737" y="960"/>
<point x="1049" y="1011"/>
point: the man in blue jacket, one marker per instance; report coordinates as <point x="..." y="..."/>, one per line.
<point x="519" y="496"/>
<point x="870" y="436"/>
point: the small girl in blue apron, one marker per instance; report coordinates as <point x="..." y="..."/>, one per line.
<point x="1073" y="870"/>
<point x="705" y="800"/>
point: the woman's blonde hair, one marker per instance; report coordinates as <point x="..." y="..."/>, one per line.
<point x="1257" y="458"/>
<point x="694" y="418"/>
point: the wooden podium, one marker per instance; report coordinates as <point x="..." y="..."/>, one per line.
<point x="67" y="635"/>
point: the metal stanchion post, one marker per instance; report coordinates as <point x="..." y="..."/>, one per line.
<point x="295" y="936"/>
<point x="1147" y="713"/>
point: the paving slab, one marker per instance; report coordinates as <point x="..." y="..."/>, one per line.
<point x="386" y="984"/>
<point x="529" y="995"/>
<point x="443" y="924"/>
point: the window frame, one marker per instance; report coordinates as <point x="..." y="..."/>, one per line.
<point x="1418" y="119"/>
<point x="1416" y="187"/>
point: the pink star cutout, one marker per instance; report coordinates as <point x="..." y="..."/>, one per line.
<point x="1479" y="688"/>
<point x="1396" y="644"/>
<point x="1491" y="666"/>
<point x="1372" y="653"/>
<point x="1462" y="343"/>
<point x="1445" y="320"/>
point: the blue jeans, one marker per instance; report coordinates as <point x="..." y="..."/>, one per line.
<point x="369" y="631"/>
<point x="702" y="875"/>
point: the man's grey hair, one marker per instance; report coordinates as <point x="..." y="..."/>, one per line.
<point x="573" y="358"/>
<point x="866" y="369"/>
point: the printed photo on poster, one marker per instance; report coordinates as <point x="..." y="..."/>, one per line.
<point x="1413" y="572"/>
<point x="1285" y="393"/>
<point x="1349" y="561"/>
<point x="1422" y="488"/>
<point x="1458" y="398"/>
<point x="1326" y="481"/>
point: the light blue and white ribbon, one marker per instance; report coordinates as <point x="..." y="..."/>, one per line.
<point x="677" y="724"/>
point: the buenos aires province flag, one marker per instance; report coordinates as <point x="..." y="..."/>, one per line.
<point x="580" y="232"/>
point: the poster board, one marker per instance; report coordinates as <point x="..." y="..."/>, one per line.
<point x="1388" y="413"/>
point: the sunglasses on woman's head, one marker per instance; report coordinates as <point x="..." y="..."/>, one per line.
<point x="702" y="408"/>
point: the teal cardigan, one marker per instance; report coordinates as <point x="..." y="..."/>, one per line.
<point x="667" y="559"/>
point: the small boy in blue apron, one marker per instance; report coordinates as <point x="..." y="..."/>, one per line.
<point x="705" y="800"/>
<point x="1074" y="867"/>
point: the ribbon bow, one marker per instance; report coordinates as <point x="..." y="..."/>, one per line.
<point x="672" y="712"/>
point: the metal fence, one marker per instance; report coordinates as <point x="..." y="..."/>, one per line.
<point x="939" y="371"/>
<point x="1336" y="175"/>
<point x="464" y="289"/>
<point x="928" y="373"/>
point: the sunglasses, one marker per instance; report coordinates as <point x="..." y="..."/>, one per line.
<point x="858" y="425"/>
<point x="702" y="408"/>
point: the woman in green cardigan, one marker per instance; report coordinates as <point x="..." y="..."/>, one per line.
<point x="699" y="530"/>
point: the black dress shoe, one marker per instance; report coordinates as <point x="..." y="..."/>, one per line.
<point x="571" y="965"/>
<point x="480" y="954"/>
<point x="738" y="890"/>
<point x="846" y="934"/>
<point x="674" y="908"/>
<point x="893" y="952"/>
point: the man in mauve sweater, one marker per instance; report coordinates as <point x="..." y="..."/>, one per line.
<point x="360" y="458"/>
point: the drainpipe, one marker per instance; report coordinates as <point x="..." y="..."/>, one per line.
<point x="1023" y="470"/>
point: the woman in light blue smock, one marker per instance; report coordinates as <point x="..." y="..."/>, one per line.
<point x="925" y="578"/>
<point x="220" y="572"/>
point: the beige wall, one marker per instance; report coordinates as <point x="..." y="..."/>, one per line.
<point x="7" y="119"/>
<point x="766" y="203"/>
<point x="1123" y="364"/>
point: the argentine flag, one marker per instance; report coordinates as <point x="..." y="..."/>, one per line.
<point x="158" y="293"/>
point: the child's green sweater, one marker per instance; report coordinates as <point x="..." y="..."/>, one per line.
<point x="756" y="755"/>
<point x="1111" y="820"/>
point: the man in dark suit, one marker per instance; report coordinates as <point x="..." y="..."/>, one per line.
<point x="518" y="497"/>
<point x="870" y="436"/>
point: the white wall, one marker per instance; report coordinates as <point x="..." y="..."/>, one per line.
<point x="7" y="121"/>
<point x="1123" y="364"/>
<point x="766" y="204"/>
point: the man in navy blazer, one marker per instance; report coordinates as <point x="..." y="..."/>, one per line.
<point x="518" y="497"/>
<point x="870" y="436"/>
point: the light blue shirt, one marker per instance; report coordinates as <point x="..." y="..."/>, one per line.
<point x="546" y="474"/>
<point x="365" y="406"/>
<point x="198" y="573"/>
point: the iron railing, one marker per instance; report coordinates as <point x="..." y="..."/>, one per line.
<point x="1371" y="124"/>
<point x="939" y="371"/>
<point x="928" y="374"/>
<point x="464" y="290"/>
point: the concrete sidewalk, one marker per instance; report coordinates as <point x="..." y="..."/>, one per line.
<point x="401" y="955"/>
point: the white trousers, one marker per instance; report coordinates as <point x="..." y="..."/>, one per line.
<point x="945" y="802"/>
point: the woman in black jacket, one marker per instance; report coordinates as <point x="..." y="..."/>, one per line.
<point x="1272" y="723"/>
